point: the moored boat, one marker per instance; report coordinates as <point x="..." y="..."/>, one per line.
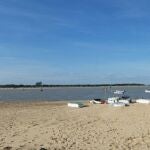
<point x="119" y="92"/>
<point x="147" y="91"/>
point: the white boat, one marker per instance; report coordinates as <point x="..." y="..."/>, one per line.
<point x="133" y="101"/>
<point x="126" y="102"/>
<point x="118" y="104"/>
<point x="98" y="101"/>
<point x="147" y="91"/>
<point x="125" y="99"/>
<point x="76" y="104"/>
<point x="95" y="101"/>
<point x="112" y="100"/>
<point x="119" y="92"/>
<point x="143" y="101"/>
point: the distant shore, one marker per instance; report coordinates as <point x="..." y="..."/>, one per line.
<point x="69" y="85"/>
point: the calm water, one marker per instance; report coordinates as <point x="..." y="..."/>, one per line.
<point x="73" y="93"/>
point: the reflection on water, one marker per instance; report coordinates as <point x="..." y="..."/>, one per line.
<point x="69" y="93"/>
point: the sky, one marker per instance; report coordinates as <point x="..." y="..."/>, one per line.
<point x="74" y="41"/>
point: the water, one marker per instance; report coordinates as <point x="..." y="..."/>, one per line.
<point x="69" y="93"/>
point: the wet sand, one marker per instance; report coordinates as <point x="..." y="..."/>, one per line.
<point x="54" y="126"/>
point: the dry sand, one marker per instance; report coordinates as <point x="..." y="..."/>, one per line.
<point x="53" y="126"/>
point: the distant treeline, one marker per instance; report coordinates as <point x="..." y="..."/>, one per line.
<point x="71" y="85"/>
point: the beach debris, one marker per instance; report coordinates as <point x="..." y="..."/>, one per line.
<point x="76" y="104"/>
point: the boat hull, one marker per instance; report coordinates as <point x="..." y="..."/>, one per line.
<point x="143" y="101"/>
<point x="118" y="104"/>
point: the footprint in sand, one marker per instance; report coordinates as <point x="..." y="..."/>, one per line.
<point x="7" y="148"/>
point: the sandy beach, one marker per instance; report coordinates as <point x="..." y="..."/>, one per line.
<point x="54" y="126"/>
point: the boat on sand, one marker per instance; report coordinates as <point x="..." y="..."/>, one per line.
<point x="97" y="101"/>
<point x="123" y="99"/>
<point x="143" y="101"/>
<point x="126" y="102"/>
<point x="112" y="100"/>
<point x="118" y="104"/>
<point x="76" y="104"/>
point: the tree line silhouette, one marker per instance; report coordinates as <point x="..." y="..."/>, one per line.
<point x="39" y="84"/>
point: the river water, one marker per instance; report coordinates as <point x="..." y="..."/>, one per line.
<point x="70" y="93"/>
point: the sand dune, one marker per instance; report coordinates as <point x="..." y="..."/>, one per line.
<point x="54" y="126"/>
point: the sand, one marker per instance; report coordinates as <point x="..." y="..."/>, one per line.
<point x="54" y="126"/>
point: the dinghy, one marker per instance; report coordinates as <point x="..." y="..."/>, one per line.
<point x="147" y="91"/>
<point x="126" y="102"/>
<point x="143" y="101"/>
<point x="112" y="100"/>
<point x="125" y="99"/>
<point x="119" y="92"/>
<point x="118" y="104"/>
<point x="76" y="104"/>
<point x="96" y="101"/>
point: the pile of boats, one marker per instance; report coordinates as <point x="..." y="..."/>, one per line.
<point x="120" y="100"/>
<point x="114" y="101"/>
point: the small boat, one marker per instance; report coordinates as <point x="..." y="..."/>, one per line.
<point x="125" y="99"/>
<point x="119" y="92"/>
<point x="112" y="100"/>
<point x="118" y="104"/>
<point x="133" y="101"/>
<point x="126" y="102"/>
<point x="143" y="101"/>
<point x="98" y="101"/>
<point x="76" y="104"/>
<point x="147" y="91"/>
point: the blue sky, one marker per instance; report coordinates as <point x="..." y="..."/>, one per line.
<point x="71" y="42"/>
